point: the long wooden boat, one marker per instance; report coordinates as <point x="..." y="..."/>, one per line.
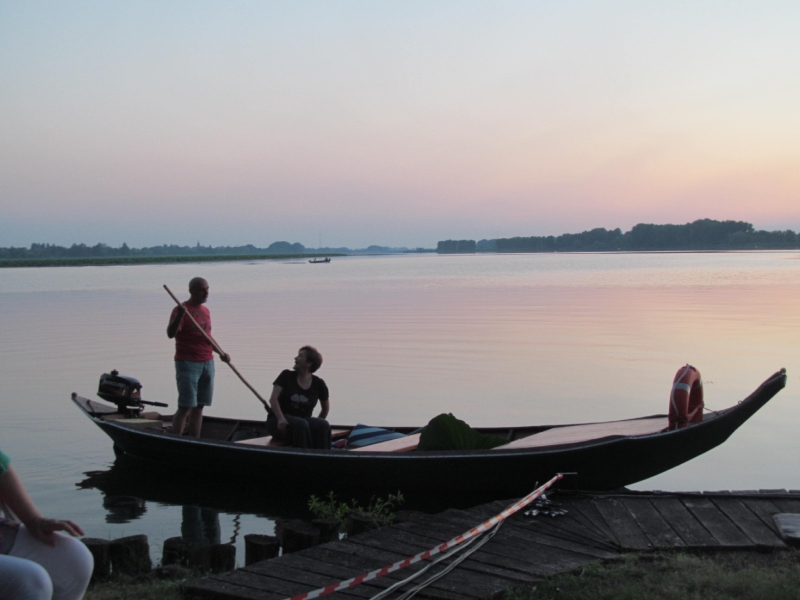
<point x="602" y="456"/>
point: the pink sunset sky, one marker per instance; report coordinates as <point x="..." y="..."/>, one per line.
<point x="397" y="123"/>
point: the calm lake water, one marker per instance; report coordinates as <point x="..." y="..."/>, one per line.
<point x="496" y="340"/>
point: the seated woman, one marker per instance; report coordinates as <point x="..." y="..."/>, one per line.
<point x="37" y="562"/>
<point x="294" y="396"/>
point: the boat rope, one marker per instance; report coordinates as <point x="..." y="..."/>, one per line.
<point x="465" y="552"/>
<point x="475" y="531"/>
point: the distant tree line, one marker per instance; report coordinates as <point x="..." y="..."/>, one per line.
<point x="52" y="251"/>
<point x="703" y="234"/>
<point x="456" y="247"/>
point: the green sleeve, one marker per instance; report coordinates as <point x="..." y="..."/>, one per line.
<point x="4" y="460"/>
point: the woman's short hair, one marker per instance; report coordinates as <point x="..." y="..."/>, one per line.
<point x="313" y="356"/>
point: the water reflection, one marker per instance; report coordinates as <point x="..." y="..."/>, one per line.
<point x="131" y="479"/>
<point x="130" y="483"/>
<point x="123" y="509"/>
<point x="200" y="526"/>
<point x="497" y="340"/>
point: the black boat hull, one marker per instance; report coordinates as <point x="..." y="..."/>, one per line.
<point x="601" y="464"/>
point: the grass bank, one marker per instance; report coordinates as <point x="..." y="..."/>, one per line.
<point x="144" y="588"/>
<point x="666" y="576"/>
<point x="660" y="576"/>
<point x="103" y="261"/>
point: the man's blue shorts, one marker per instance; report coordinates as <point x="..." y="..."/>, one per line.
<point x="195" y="383"/>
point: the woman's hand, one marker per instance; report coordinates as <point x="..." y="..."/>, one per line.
<point x="43" y="529"/>
<point x="283" y="424"/>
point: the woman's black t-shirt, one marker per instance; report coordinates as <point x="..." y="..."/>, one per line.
<point x="296" y="401"/>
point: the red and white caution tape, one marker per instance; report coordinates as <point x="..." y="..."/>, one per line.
<point x="342" y="585"/>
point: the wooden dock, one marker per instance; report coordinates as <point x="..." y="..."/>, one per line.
<point x="525" y="548"/>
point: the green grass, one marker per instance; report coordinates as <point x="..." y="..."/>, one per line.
<point x="146" y="260"/>
<point x="660" y="576"/>
<point x="143" y="588"/>
<point x="720" y="576"/>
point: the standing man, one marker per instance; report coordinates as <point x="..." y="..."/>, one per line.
<point x="194" y="359"/>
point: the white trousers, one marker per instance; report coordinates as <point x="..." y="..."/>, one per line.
<point x="36" y="571"/>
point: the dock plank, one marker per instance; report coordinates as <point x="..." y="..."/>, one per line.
<point x="572" y="523"/>
<point x="684" y="523"/>
<point x="280" y="569"/>
<point x="752" y="526"/>
<point x="764" y="510"/>
<point x="622" y="523"/>
<point x="260" y="583"/>
<point x="536" y="546"/>
<point x="571" y="526"/>
<point x="218" y="589"/>
<point x="522" y="555"/>
<point x="409" y="544"/>
<point x="523" y="550"/>
<point x="787" y="505"/>
<point x="288" y="588"/>
<point x="657" y="530"/>
<point x="528" y="534"/>
<point x="716" y="523"/>
<point x="335" y="554"/>
<point x="459" y="581"/>
<point x="588" y="509"/>
<point x="541" y="530"/>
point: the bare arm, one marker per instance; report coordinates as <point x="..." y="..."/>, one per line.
<point x="325" y="407"/>
<point x="14" y="495"/>
<point x="276" y="408"/>
<point x="172" y="328"/>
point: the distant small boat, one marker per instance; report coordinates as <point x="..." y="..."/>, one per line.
<point x="320" y="260"/>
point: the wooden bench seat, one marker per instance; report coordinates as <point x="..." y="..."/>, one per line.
<point x="573" y="434"/>
<point x="268" y="441"/>
<point x="261" y="441"/>
<point x="403" y="444"/>
<point x="337" y="434"/>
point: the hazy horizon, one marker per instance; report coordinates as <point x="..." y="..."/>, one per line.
<point x="356" y="123"/>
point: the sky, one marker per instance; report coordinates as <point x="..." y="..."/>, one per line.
<point x="397" y="123"/>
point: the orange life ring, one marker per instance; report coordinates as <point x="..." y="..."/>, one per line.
<point x="686" y="398"/>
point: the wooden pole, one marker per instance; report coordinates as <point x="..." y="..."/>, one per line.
<point x="217" y="347"/>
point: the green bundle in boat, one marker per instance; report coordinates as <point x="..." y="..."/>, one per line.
<point x="445" y="432"/>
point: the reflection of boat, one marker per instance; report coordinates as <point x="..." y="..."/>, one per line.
<point x="602" y="455"/>
<point x="315" y="261"/>
<point x="130" y="479"/>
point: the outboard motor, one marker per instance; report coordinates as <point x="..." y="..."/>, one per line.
<point x="124" y="391"/>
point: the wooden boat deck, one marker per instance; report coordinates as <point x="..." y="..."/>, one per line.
<point x="525" y="549"/>
<point x="573" y="434"/>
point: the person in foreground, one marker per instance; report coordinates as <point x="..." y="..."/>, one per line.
<point x="36" y="562"/>
<point x="294" y="396"/>
<point x="194" y="359"/>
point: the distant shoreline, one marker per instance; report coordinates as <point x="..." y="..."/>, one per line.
<point x="105" y="261"/>
<point x="156" y="260"/>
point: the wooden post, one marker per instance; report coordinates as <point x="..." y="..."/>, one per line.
<point x="260" y="547"/>
<point x="130" y="555"/>
<point x="100" y="550"/>
<point x="408" y="516"/>
<point x="216" y="558"/>
<point x="177" y="551"/>
<point x="298" y="535"/>
<point x="357" y="523"/>
<point x="328" y="529"/>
